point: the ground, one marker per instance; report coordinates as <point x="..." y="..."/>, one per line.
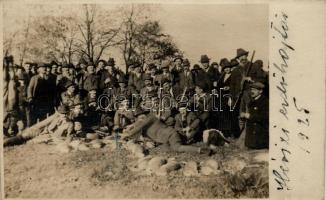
<point x="39" y="171"/>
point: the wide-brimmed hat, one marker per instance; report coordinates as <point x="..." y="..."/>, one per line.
<point x="204" y="59"/>
<point x="186" y="62"/>
<point x="196" y="67"/>
<point x="224" y="62"/>
<point x="241" y="52"/>
<point x="68" y="84"/>
<point x="148" y="77"/>
<point x="257" y="85"/>
<point x="258" y="64"/>
<point x="111" y="62"/>
<point x="63" y="109"/>
<point x="234" y="62"/>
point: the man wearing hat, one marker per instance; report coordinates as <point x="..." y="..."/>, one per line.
<point x="61" y="126"/>
<point x="108" y="77"/>
<point x="100" y="67"/>
<point x="38" y="94"/>
<point x="123" y="92"/>
<point x="167" y="102"/>
<point x="185" y="76"/>
<point x="69" y="96"/>
<point x="257" y="118"/>
<point x="91" y="80"/>
<point x="201" y="104"/>
<point x="210" y="74"/>
<point x="165" y="72"/>
<point x="136" y="79"/>
<point x="149" y="92"/>
<point x="187" y="124"/>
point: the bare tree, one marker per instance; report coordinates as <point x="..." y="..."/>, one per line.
<point x="96" y="37"/>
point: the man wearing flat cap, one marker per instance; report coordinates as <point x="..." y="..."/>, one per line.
<point x="257" y="122"/>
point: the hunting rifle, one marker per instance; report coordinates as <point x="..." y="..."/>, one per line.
<point x="236" y="105"/>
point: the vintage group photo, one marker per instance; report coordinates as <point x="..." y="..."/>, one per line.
<point x="135" y="100"/>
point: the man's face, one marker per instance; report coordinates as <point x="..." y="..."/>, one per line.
<point x="92" y="94"/>
<point x="148" y="82"/>
<point x="254" y="92"/>
<point x="91" y="69"/>
<point x="227" y="70"/>
<point x="122" y="85"/>
<point x="77" y="126"/>
<point x="27" y="67"/>
<point x="243" y="60"/>
<point x="205" y="65"/>
<point x="78" y="109"/>
<point x="153" y="71"/>
<point x="165" y="70"/>
<point x="186" y="68"/>
<point x="198" y="90"/>
<point x="82" y="66"/>
<point x="65" y="70"/>
<point x="41" y="70"/>
<point x="71" y="71"/>
<point x="54" y="69"/>
<point x="48" y="70"/>
<point x="71" y="89"/>
<point x="137" y="69"/>
<point x="100" y="65"/>
<point x="178" y="62"/>
<point x="109" y="69"/>
<point x="166" y="87"/>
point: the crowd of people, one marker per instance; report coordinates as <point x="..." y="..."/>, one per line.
<point x="175" y="102"/>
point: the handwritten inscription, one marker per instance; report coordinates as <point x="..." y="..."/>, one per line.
<point x="282" y="174"/>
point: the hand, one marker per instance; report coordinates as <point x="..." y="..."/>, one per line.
<point x="244" y="115"/>
<point x="230" y="102"/>
<point x="107" y="80"/>
<point x="247" y="78"/>
<point x="226" y="88"/>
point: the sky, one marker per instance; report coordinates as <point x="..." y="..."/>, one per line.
<point x="216" y="29"/>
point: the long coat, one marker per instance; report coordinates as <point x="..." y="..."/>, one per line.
<point x="257" y="133"/>
<point x="91" y="81"/>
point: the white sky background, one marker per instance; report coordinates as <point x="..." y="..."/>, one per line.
<point x="215" y="30"/>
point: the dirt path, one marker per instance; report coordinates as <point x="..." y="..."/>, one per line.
<point x="36" y="171"/>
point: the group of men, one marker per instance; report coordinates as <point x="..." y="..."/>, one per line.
<point x="177" y="101"/>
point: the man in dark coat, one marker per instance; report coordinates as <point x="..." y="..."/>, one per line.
<point x="38" y="95"/>
<point x="185" y="76"/>
<point x="136" y="79"/>
<point x="211" y="74"/>
<point x="91" y="80"/>
<point x="108" y="76"/>
<point x="257" y="117"/>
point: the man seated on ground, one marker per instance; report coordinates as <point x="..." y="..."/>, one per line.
<point x="187" y="124"/>
<point x="123" y="116"/>
<point x="61" y="126"/>
<point x="149" y="126"/>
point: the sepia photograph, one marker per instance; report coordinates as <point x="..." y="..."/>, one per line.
<point x="135" y="100"/>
